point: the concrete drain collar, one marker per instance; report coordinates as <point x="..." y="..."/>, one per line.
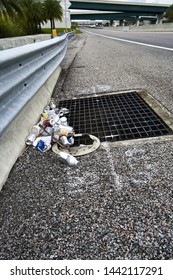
<point x="80" y="150"/>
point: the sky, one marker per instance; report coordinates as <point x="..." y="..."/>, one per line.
<point x="150" y="1"/>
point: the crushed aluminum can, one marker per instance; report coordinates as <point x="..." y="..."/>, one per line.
<point x="68" y="159"/>
<point x="30" y="138"/>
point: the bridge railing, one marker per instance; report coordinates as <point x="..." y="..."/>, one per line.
<point x="23" y="70"/>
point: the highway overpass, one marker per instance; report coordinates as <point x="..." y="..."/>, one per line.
<point x="115" y="10"/>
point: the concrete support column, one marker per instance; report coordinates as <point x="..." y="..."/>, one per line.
<point x="137" y="21"/>
<point x="160" y="18"/>
<point x="121" y="22"/>
<point x="111" y="22"/>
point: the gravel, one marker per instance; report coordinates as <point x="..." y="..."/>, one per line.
<point x="118" y="203"/>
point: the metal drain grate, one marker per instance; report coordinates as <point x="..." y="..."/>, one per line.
<point x="114" y="117"/>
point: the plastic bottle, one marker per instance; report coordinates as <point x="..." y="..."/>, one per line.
<point x="68" y="159"/>
<point x="35" y="129"/>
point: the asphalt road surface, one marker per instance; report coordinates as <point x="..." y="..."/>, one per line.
<point x="160" y="39"/>
<point x="118" y="203"/>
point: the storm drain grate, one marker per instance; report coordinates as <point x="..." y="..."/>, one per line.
<point x="114" y="117"/>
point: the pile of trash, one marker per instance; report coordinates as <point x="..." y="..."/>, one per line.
<point x="53" y="128"/>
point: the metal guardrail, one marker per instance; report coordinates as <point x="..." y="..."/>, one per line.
<point x="23" y="70"/>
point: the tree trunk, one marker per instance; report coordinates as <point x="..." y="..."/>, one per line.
<point x="52" y="24"/>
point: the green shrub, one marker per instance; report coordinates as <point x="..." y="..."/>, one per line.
<point x="8" y="28"/>
<point x="169" y="14"/>
<point x="59" y="30"/>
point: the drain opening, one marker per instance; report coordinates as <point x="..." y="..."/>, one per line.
<point x="114" y="117"/>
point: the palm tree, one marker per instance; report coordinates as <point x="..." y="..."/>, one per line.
<point x="9" y="8"/>
<point x="33" y="15"/>
<point x="169" y="14"/>
<point x="52" y="11"/>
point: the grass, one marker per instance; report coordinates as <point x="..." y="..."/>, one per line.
<point x="60" y="30"/>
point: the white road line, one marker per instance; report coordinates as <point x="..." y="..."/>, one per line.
<point x="132" y="42"/>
